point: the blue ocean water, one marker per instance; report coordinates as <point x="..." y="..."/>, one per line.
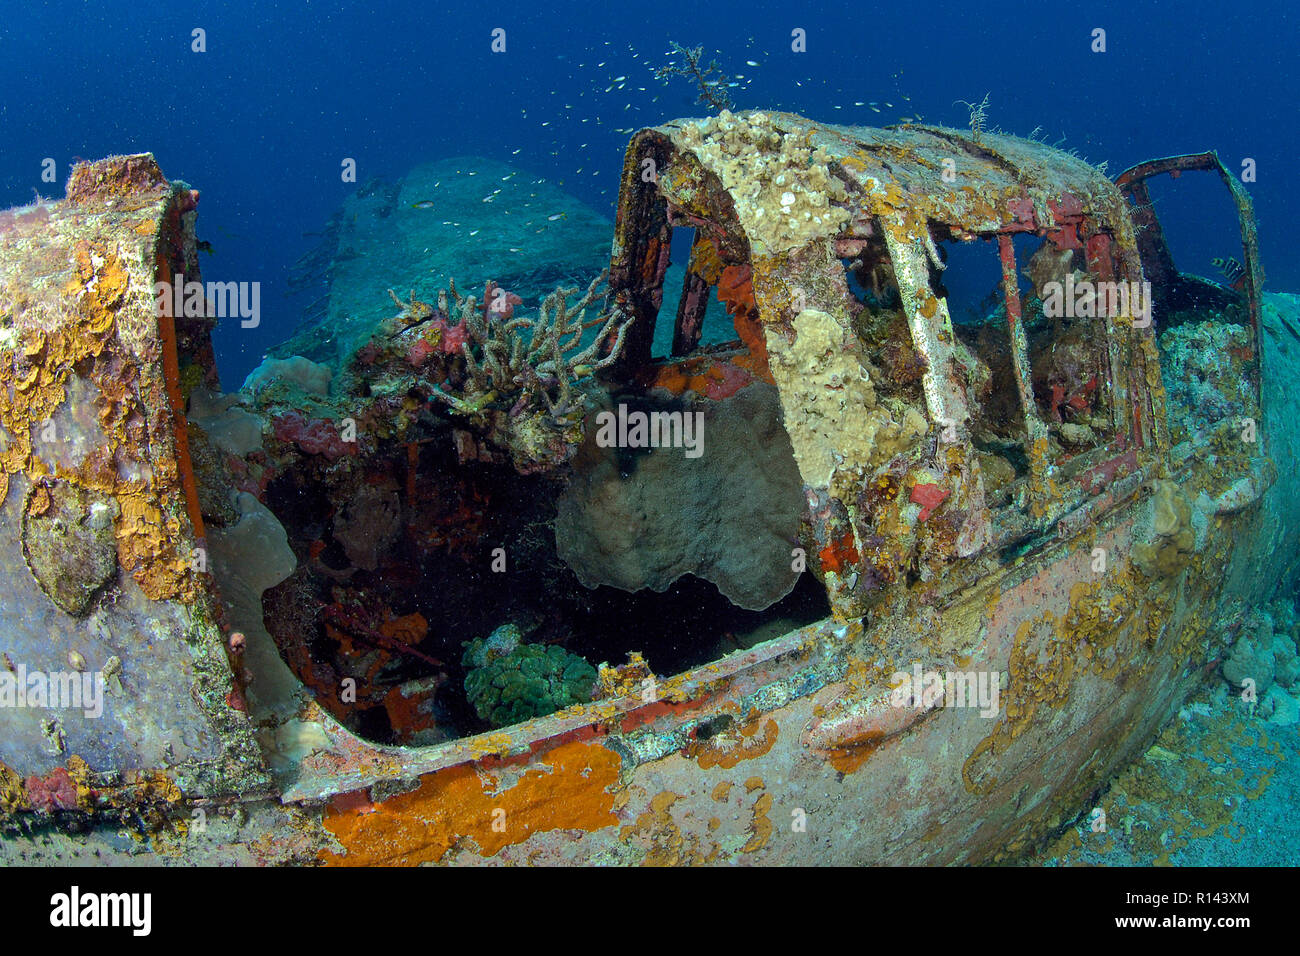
<point x="284" y="92"/>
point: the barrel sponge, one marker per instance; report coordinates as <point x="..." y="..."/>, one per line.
<point x="529" y="680"/>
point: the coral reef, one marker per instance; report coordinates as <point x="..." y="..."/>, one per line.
<point x="1265" y="653"/>
<point x="1209" y="375"/>
<point x="514" y="377"/>
<point x="431" y="225"/>
<point x="295" y="370"/>
<point x="315" y="436"/>
<point x="510" y="681"/>
<point x="832" y="414"/>
<point x="529" y="361"/>
<point x="233" y="429"/>
<point x="782" y="185"/>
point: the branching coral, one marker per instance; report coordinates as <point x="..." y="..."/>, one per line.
<point x="538" y="359"/>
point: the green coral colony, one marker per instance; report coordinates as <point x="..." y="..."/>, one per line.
<point x="510" y="681"/>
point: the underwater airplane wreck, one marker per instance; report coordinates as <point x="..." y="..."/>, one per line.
<point x="856" y="580"/>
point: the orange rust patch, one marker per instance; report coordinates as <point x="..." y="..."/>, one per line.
<point x="172" y="377"/>
<point x="132" y="407"/>
<point x="750" y="332"/>
<point x="760" y="827"/>
<point x="405" y="713"/>
<point x="839" y="554"/>
<point x="39" y="503"/>
<point x="410" y="629"/>
<point x="649" y="712"/>
<point x="665" y="843"/>
<point x="725" y="750"/>
<point x="456" y="805"/>
<point x="142" y="545"/>
<point x="855" y="751"/>
<point x="715" y="379"/>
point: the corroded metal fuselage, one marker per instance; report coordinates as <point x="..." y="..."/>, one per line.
<point x="1066" y="550"/>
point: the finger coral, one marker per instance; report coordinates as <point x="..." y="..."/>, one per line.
<point x="536" y="359"/>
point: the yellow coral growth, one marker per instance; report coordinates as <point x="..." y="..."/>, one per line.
<point x="782" y="186"/>
<point x="12" y="795"/>
<point x="1175" y="540"/>
<point x="32" y="389"/>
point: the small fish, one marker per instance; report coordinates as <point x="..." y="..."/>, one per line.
<point x="1232" y="270"/>
<point x="558" y="215"/>
<point x="474" y="232"/>
<point x="750" y="63"/>
<point x="203" y="246"/>
<point x="422" y="204"/>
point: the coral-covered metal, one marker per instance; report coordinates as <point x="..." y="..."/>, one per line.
<point x="1064" y="548"/>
